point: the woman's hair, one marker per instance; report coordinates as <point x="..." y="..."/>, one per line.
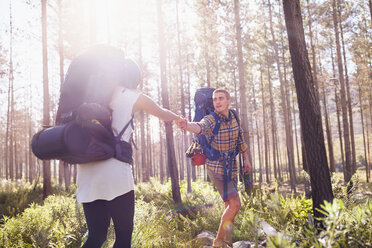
<point x="112" y="63"/>
<point x="93" y="76"/>
<point x="132" y="75"/>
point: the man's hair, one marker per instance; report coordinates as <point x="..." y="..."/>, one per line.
<point x="227" y="94"/>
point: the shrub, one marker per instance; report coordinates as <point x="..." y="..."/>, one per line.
<point x="16" y="196"/>
<point x="56" y="223"/>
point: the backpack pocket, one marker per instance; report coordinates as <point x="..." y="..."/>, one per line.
<point x="123" y="152"/>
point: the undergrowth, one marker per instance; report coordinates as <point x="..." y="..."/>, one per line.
<point x="159" y="222"/>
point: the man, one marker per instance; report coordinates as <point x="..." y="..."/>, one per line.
<point x="229" y="137"/>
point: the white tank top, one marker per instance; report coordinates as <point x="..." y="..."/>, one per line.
<point x="106" y="180"/>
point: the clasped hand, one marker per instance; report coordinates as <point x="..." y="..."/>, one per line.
<point x="181" y="122"/>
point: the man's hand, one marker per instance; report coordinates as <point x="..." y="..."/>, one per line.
<point x="181" y="122"/>
<point x="247" y="165"/>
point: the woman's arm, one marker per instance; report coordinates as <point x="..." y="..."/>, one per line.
<point x="146" y="104"/>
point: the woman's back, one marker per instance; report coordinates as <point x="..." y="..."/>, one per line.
<point x="108" y="179"/>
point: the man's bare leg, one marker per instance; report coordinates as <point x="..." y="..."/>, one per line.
<point x="232" y="207"/>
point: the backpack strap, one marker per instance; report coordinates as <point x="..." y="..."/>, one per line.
<point x="236" y="116"/>
<point x="238" y="121"/>
<point x="216" y="126"/>
<point x="118" y="137"/>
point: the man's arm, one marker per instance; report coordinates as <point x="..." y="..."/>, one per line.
<point x="192" y="127"/>
<point x="196" y="127"/>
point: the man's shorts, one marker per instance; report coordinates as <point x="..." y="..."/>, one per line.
<point x="217" y="180"/>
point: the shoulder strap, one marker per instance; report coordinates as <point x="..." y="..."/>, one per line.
<point x="118" y="137"/>
<point x="240" y="134"/>
<point x="216" y="126"/>
<point x="217" y="121"/>
<point x="236" y="116"/>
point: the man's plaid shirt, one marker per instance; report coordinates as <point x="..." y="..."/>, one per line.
<point x="225" y="141"/>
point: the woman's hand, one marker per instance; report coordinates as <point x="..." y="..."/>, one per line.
<point x="181" y="122"/>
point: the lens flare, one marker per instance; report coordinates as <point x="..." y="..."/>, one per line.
<point x="228" y="225"/>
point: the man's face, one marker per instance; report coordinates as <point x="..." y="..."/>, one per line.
<point x="220" y="102"/>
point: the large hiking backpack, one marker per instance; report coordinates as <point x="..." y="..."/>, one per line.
<point x="203" y="100"/>
<point x="83" y="133"/>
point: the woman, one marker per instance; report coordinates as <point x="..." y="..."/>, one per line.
<point x="106" y="188"/>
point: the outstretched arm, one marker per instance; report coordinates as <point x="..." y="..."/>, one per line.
<point x="146" y="104"/>
<point x="196" y="127"/>
<point x="192" y="127"/>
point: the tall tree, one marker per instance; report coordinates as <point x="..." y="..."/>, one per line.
<point x="348" y="165"/>
<point x="62" y="165"/>
<point x="363" y="132"/>
<point x="242" y="83"/>
<point x="266" y="145"/>
<point x="145" y="167"/>
<point x="9" y="158"/>
<point x="182" y="92"/>
<point x="310" y="117"/>
<point x="349" y="99"/>
<point x="46" y="118"/>
<point x="285" y="107"/>
<point x="315" y="74"/>
<point x="172" y="164"/>
<point x="328" y="131"/>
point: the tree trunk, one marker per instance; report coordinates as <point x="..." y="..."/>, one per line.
<point x="285" y="108"/>
<point x="273" y="129"/>
<point x="264" y="128"/>
<point x="172" y="164"/>
<point x="9" y="139"/>
<point x="329" y="132"/>
<point x="345" y="123"/>
<point x="46" y="102"/>
<point x="257" y="132"/>
<point x="368" y="151"/>
<point x="150" y="167"/>
<point x="61" y="71"/>
<point x="370" y="9"/>
<point x="305" y="166"/>
<point x="272" y="114"/>
<point x="349" y="99"/>
<point x="315" y="75"/>
<point x="338" y="113"/>
<point x="242" y="85"/>
<point x="144" y="166"/>
<point x="363" y="131"/>
<point x="31" y="165"/>
<point x="161" y="160"/>
<point x="310" y="117"/>
<point x="183" y="111"/>
<point x="296" y="134"/>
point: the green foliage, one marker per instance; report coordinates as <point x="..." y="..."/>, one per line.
<point x="159" y="222"/>
<point x="347" y="227"/>
<point x="17" y="196"/>
<point x="56" y="223"/>
<point x="287" y="214"/>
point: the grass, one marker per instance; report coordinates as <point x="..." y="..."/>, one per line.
<point x="59" y="220"/>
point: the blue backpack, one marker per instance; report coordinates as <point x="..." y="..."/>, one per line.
<point x="204" y="106"/>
